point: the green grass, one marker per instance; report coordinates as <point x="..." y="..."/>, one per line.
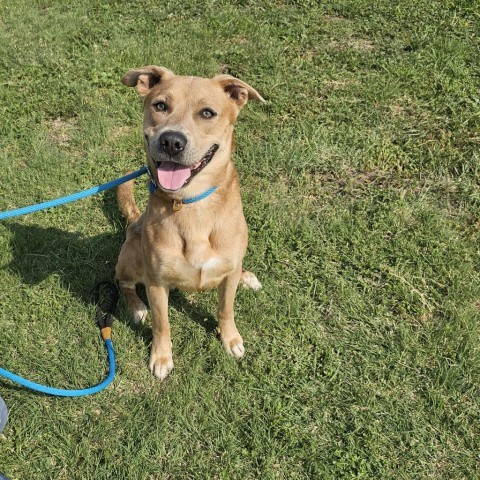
<point x="360" y="181"/>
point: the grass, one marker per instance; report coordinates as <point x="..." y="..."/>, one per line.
<point x="361" y="189"/>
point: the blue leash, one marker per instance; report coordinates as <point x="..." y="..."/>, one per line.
<point x="73" y="197"/>
<point x="60" y="392"/>
<point x="104" y="320"/>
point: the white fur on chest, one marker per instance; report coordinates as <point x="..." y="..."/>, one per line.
<point x="208" y="265"/>
<point x="197" y="267"/>
<point x="196" y="273"/>
<point x="213" y="270"/>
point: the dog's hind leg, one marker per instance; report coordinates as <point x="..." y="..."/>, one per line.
<point x="135" y="305"/>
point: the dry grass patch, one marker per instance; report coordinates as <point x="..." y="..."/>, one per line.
<point x="357" y="44"/>
<point x="59" y="131"/>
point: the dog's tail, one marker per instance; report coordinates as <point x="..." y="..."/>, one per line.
<point x="126" y="201"/>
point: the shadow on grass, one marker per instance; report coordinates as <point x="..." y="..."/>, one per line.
<point x="78" y="261"/>
<point x="81" y="262"/>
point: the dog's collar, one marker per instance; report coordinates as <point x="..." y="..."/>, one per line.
<point x="178" y="204"/>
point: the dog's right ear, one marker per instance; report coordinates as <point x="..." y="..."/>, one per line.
<point x="145" y="78"/>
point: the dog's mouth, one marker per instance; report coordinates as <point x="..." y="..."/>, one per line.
<point x="172" y="176"/>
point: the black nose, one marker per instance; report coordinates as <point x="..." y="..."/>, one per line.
<point x="172" y="142"/>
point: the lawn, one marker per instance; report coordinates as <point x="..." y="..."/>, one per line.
<point x="360" y="184"/>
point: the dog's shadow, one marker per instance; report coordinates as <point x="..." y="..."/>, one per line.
<point x="80" y="262"/>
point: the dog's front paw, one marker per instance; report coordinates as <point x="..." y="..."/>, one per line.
<point x="234" y="346"/>
<point x="161" y="365"/>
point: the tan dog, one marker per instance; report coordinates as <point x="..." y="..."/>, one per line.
<point x="188" y="131"/>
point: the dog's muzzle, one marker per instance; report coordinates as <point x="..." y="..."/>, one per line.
<point x="171" y="175"/>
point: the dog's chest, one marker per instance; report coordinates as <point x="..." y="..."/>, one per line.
<point x="198" y="267"/>
<point x="211" y="266"/>
<point x="194" y="253"/>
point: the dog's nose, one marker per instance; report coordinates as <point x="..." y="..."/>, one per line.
<point x="172" y="142"/>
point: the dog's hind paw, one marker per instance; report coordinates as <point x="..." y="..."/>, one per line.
<point x="250" y="280"/>
<point x="140" y="314"/>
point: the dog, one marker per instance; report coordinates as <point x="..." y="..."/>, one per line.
<point x="193" y="234"/>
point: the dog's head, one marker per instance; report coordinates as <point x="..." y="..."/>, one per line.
<point x="188" y="122"/>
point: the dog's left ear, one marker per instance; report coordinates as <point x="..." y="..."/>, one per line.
<point x="237" y="90"/>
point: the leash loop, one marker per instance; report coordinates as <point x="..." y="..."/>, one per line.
<point x="104" y="321"/>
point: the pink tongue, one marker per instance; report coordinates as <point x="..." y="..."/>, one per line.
<point x="172" y="176"/>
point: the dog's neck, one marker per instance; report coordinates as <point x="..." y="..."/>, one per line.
<point x="177" y="204"/>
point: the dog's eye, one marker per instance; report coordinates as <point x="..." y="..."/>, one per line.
<point x="160" y="106"/>
<point x="207" y="113"/>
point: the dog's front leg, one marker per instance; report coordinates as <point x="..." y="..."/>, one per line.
<point x="161" y="361"/>
<point x="231" y="339"/>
